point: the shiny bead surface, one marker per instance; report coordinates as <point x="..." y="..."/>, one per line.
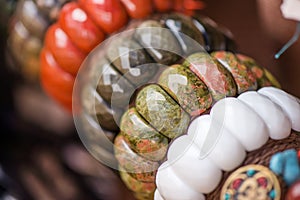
<point x="243" y="76"/>
<point x="159" y="42"/>
<point x="142" y="138"/>
<point x="186" y="88"/>
<point x="161" y="111"/>
<point x="294" y="192"/>
<point x="218" y="80"/>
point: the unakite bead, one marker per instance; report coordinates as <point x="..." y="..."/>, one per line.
<point x="186" y="88"/>
<point x="260" y="73"/>
<point x="143" y="139"/>
<point x="159" y="42"/>
<point x="131" y="59"/>
<point x="138" y="167"/>
<point x="161" y="111"/>
<point x="218" y="79"/>
<point x="244" y="78"/>
<point x="187" y="34"/>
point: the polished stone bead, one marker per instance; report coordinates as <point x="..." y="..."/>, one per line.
<point x="161" y="111"/>
<point x="213" y="37"/>
<point x="111" y="86"/>
<point x="159" y="42"/>
<point x="94" y="105"/>
<point x="143" y="139"/>
<point x="138" y="167"/>
<point x="244" y="78"/>
<point x="294" y="192"/>
<point x="258" y="71"/>
<point x="218" y="79"/>
<point x="186" y="33"/>
<point x="186" y="88"/>
<point x="131" y="59"/>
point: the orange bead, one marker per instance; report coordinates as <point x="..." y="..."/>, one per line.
<point x="79" y="27"/>
<point x="56" y="82"/>
<point x="109" y="15"/>
<point x="138" y="8"/>
<point x="66" y="54"/>
<point x="163" y="5"/>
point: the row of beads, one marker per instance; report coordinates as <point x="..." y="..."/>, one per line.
<point x="83" y="25"/>
<point x="219" y="141"/>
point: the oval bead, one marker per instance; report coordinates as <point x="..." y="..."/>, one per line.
<point x="242" y="122"/>
<point x="287" y="102"/>
<point x="186" y="88"/>
<point x="139" y="168"/>
<point x="158" y="41"/>
<point x="178" y="189"/>
<point x="243" y="77"/>
<point x="131" y="59"/>
<point x="294" y="192"/>
<point x="142" y="138"/>
<point x="216" y="142"/>
<point x="183" y="28"/>
<point x="218" y="80"/>
<point x="161" y="111"/>
<point x="258" y="71"/>
<point x="79" y="27"/>
<point x="138" y="9"/>
<point x="277" y="122"/>
<point x="111" y="86"/>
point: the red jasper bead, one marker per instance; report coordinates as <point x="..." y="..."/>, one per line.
<point x="163" y="6"/>
<point x="138" y="8"/>
<point x="109" y="15"/>
<point x="66" y="54"/>
<point x="79" y="27"/>
<point x="294" y="192"/>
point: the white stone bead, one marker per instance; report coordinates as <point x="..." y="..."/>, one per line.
<point x="276" y="120"/>
<point x="171" y="187"/>
<point x="157" y="195"/>
<point x="202" y="175"/>
<point x="242" y="122"/>
<point x="287" y="102"/>
<point x="216" y="142"/>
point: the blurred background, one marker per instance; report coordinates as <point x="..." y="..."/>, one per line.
<point x="41" y="156"/>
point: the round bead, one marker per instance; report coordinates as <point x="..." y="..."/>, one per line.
<point x="251" y="182"/>
<point x="294" y="192"/>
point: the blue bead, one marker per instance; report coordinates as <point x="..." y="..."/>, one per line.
<point x="251" y="172"/>
<point x="292" y="169"/>
<point x="272" y="194"/>
<point x="227" y="196"/>
<point x="277" y="163"/>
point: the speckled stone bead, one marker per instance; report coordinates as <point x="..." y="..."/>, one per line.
<point x="258" y="71"/>
<point x="94" y="105"/>
<point x="161" y="111"/>
<point x="218" y="79"/>
<point x="141" y="189"/>
<point x="110" y="82"/>
<point x="131" y="59"/>
<point x="186" y="88"/>
<point x="138" y="167"/>
<point x="142" y="138"/>
<point x="159" y="42"/>
<point x="244" y="78"/>
<point x="187" y="34"/>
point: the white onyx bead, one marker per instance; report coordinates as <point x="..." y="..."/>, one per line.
<point x="202" y="175"/>
<point x="171" y="187"/>
<point x="276" y="120"/>
<point x="242" y="122"/>
<point x="287" y="102"/>
<point x="157" y="195"/>
<point x="217" y="143"/>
